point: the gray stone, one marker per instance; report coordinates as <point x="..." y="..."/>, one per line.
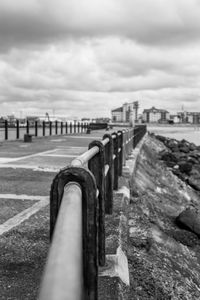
<point x="194" y="182"/>
<point x="190" y="219"/>
<point x="185" y="167"/>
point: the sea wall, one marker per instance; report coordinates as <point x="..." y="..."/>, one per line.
<point x="164" y="260"/>
<point x="151" y="253"/>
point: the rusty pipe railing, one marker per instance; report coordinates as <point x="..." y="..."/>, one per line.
<point x="95" y="173"/>
<point x="68" y="244"/>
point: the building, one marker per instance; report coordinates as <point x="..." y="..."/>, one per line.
<point x="155" y="115"/>
<point x="126" y="113"/>
<point x="174" y="118"/>
<point x="189" y="117"/>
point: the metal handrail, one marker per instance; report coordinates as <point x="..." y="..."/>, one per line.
<point x="81" y="160"/>
<point x="68" y="244"/>
<point x="95" y="182"/>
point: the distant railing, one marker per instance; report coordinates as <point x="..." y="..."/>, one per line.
<point x="81" y="195"/>
<point x="17" y="130"/>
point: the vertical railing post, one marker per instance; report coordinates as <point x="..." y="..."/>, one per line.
<point x="70" y="127"/>
<point x="120" y="144"/>
<point x="116" y="160"/>
<point x="134" y="141"/>
<point x="50" y="128"/>
<point x="96" y="166"/>
<point x="109" y="177"/>
<point x="124" y="146"/>
<point x="61" y="127"/>
<point x="90" y="225"/>
<point x="6" y="129"/>
<point x="43" y="128"/>
<point x="74" y="127"/>
<point x="129" y="142"/>
<point x="66" y="128"/>
<point x="27" y="127"/>
<point x="17" y="129"/>
<point x="36" y="128"/>
<point x="56" y="127"/>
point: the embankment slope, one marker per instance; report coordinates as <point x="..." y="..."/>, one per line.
<point x="164" y="259"/>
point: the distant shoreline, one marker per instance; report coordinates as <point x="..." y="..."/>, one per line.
<point x="172" y="125"/>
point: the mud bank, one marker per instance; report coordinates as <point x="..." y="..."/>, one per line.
<point x="164" y="259"/>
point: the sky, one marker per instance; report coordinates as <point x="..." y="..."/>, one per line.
<point x="84" y="58"/>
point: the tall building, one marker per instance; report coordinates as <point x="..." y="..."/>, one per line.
<point x="154" y="115"/>
<point x="126" y="113"/>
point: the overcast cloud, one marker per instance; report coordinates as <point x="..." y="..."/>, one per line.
<point x="84" y="58"/>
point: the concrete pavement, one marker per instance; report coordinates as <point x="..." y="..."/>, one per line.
<point x="26" y="174"/>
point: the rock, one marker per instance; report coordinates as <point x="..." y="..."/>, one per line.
<point x="174" y="149"/>
<point x="185" y="167"/>
<point x="161" y="138"/>
<point x="192" y="146"/>
<point x="192" y="160"/>
<point x="189" y="219"/>
<point x="169" y="157"/>
<point x="172" y="144"/>
<point x="184" y="149"/>
<point x="180" y="156"/>
<point x="195" y="170"/>
<point x="194" y="182"/>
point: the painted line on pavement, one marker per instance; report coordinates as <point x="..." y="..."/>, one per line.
<point x="33" y="167"/>
<point x="5" y="159"/>
<point x="60" y="155"/>
<point x="85" y="137"/>
<point x="23" y="197"/>
<point x="22" y="216"/>
<point x="71" y="147"/>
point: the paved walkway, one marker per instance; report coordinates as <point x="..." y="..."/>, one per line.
<point x="26" y="174"/>
<point x="27" y="170"/>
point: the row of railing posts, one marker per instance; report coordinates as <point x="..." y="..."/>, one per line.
<point x="67" y="127"/>
<point x="96" y="172"/>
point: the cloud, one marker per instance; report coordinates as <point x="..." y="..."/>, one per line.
<point x="88" y="57"/>
<point x="147" y="22"/>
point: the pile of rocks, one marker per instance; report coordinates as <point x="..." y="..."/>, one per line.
<point x="183" y="158"/>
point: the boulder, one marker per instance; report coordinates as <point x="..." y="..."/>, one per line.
<point x="172" y="144"/>
<point x="184" y="149"/>
<point x="194" y="182"/>
<point x="174" y="149"/>
<point x="192" y="160"/>
<point x="169" y="157"/>
<point x="180" y="156"/>
<point x="161" y="138"/>
<point x="190" y="220"/>
<point x="185" y="167"/>
<point x="192" y="146"/>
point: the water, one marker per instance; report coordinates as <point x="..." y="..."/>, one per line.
<point x="189" y="133"/>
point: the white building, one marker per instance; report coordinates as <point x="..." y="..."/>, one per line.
<point x="125" y="112"/>
<point x="154" y="115"/>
